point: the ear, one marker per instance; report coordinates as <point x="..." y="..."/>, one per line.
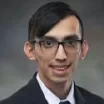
<point x="84" y="50"/>
<point x="29" y="50"/>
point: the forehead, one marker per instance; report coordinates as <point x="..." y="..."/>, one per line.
<point x="66" y="27"/>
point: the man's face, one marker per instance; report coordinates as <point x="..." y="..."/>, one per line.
<point x="58" y="67"/>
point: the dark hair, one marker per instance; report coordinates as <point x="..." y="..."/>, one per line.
<point x="47" y="16"/>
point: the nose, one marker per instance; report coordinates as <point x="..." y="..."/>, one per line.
<point x="60" y="54"/>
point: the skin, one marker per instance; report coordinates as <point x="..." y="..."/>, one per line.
<point x="58" y="82"/>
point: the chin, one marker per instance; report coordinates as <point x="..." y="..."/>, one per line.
<point x="60" y="80"/>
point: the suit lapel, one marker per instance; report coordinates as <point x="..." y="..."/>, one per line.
<point x="36" y="95"/>
<point x="78" y="96"/>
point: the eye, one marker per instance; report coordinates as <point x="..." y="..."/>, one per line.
<point x="71" y="43"/>
<point x="48" y="43"/>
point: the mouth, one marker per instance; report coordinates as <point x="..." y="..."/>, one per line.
<point x="61" y="69"/>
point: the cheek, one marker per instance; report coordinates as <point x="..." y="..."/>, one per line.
<point x="74" y="59"/>
<point x="43" y="61"/>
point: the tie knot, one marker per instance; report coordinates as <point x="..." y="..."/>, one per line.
<point x="65" y="102"/>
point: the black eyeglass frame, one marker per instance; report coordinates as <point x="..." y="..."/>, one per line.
<point x="59" y="43"/>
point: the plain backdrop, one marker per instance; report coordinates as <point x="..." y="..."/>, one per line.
<point x="16" y="70"/>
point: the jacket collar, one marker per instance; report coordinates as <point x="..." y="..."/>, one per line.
<point x="37" y="96"/>
<point x="79" y="98"/>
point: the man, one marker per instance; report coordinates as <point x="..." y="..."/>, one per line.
<point x="56" y="43"/>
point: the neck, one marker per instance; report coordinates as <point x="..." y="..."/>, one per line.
<point x="61" y="90"/>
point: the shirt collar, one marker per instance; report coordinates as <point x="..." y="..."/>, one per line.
<point x="52" y="98"/>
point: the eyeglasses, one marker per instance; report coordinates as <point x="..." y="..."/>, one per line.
<point x="52" y="45"/>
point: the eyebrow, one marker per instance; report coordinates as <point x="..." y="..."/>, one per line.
<point x="48" y="37"/>
<point x="70" y="37"/>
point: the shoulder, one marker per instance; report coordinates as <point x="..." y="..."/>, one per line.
<point x="24" y="95"/>
<point x="90" y="97"/>
<point x="18" y="96"/>
<point x="29" y="94"/>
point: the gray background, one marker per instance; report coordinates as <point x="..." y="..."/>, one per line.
<point x="16" y="69"/>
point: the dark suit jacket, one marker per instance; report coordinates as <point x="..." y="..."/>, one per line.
<point x="32" y="94"/>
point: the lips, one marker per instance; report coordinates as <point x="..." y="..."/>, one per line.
<point x="60" y="67"/>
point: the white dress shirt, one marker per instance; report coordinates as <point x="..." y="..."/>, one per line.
<point x="51" y="97"/>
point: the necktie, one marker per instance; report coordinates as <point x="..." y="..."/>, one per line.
<point x="65" y="102"/>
